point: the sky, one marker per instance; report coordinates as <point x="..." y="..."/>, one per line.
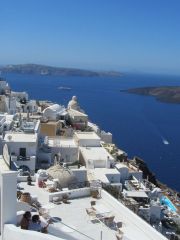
<point x="121" y="35"/>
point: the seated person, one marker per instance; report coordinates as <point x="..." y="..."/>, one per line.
<point x="25" y="221"/>
<point x="36" y="225"/>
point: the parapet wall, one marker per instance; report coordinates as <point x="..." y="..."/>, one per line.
<point x="75" y="193"/>
<point x="11" y="232"/>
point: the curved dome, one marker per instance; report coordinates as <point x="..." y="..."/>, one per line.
<point x="73" y="104"/>
<point x="65" y="177"/>
<point x="54" y="107"/>
<point x="74" y="98"/>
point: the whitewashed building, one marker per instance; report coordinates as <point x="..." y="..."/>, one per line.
<point x="22" y="148"/>
<point x="6" y="121"/>
<point x="95" y="157"/>
<point x="74" y="222"/>
<point x="55" y="112"/>
<point x="87" y="139"/>
<point x="65" y="149"/>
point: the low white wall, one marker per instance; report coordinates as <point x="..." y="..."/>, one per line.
<point x="11" y="232"/>
<point x="132" y="217"/>
<point x="24" y="178"/>
<point x="75" y="193"/>
<point x="23" y="206"/>
<point x="88" y="142"/>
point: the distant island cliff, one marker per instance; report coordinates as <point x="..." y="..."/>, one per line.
<point x="168" y="94"/>
<point x="55" y="71"/>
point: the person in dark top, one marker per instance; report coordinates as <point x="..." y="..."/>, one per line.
<point x="29" y="179"/>
<point x="35" y="224"/>
<point x="25" y="221"/>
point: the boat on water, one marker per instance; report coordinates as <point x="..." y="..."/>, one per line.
<point x="165" y="142"/>
<point x="64" y="88"/>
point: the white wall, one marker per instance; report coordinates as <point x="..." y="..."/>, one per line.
<point x="101" y="164"/>
<point x="124" y="173"/>
<point x="69" y="154"/>
<point x="24" y="178"/>
<point x="11" y="232"/>
<point x="114" y="178"/>
<point x="75" y="193"/>
<point x="88" y="142"/>
<point x="3" y="85"/>
<point x="32" y="106"/>
<point x="80" y="174"/>
<point x="14" y="147"/>
<point x="50" y="114"/>
<point x="20" y="95"/>
<point x="8" y="182"/>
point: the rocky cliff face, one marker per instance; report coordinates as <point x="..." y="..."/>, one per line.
<point x="169" y="94"/>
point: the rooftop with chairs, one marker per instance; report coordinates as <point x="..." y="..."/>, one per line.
<point x="83" y="217"/>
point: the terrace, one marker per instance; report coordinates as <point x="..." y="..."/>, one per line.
<point x="72" y="222"/>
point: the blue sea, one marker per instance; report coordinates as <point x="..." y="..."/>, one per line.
<point x="140" y="125"/>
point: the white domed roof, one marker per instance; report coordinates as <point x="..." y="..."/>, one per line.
<point x="54" y="107"/>
<point x="74" y="98"/>
<point x="73" y="104"/>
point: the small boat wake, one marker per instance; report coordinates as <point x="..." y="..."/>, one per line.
<point x="64" y="88"/>
<point x="165" y="141"/>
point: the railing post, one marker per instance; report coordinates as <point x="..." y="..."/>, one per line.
<point x="101" y="235"/>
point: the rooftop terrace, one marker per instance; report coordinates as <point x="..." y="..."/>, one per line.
<point x="76" y="224"/>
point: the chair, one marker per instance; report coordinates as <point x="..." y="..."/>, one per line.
<point x="36" y="205"/>
<point x="93" y="203"/>
<point x="119" y="235"/>
<point x="90" y="211"/>
<point x="92" y="214"/>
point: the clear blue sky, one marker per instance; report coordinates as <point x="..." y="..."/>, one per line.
<point x="135" y="35"/>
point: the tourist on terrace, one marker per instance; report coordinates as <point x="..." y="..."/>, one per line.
<point x="25" y="221"/>
<point x="36" y="225"/>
